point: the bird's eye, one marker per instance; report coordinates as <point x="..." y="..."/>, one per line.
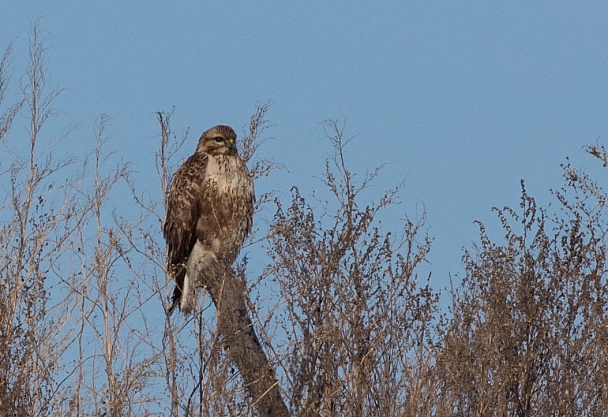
<point x="219" y="139"/>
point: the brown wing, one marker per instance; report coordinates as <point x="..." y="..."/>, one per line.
<point x="184" y="210"/>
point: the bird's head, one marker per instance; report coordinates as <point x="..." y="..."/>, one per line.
<point x="219" y="140"/>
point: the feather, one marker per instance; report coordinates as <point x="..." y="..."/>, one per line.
<point x="209" y="213"/>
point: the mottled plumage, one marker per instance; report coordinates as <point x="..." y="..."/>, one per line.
<point x="209" y="213"/>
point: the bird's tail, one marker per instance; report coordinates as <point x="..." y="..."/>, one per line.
<point x="187" y="299"/>
<point x="183" y="296"/>
<point x="175" y="299"/>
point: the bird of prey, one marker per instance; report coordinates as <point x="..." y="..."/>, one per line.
<point x="209" y="214"/>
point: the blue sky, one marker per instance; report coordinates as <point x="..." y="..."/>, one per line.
<point x="464" y="99"/>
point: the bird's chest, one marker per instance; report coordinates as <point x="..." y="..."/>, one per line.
<point x="227" y="175"/>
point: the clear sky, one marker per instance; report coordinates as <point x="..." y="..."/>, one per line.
<point x="464" y="99"/>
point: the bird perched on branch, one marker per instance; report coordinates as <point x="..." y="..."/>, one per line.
<point x="209" y="214"/>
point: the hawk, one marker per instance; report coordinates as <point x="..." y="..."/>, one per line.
<point x="209" y="214"/>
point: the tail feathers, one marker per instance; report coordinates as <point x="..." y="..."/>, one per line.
<point x="183" y="297"/>
<point x="175" y="299"/>
<point x="187" y="300"/>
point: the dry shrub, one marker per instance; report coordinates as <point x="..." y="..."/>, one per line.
<point x="528" y="334"/>
<point x="358" y="321"/>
